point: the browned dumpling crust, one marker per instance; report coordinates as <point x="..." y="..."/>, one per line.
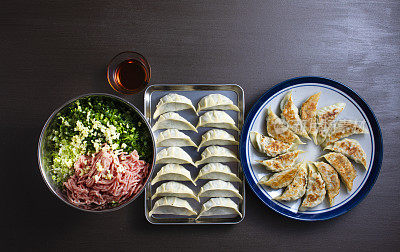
<point x="308" y="114"/>
<point x="290" y="114"/>
<point x="331" y="179"/>
<point x="343" y="166"/>
<point x="282" y="162"/>
<point x="315" y="192"/>
<point x="325" y="117"/>
<point x="279" y="130"/>
<point x="350" y="148"/>
<point x="280" y="179"/>
<point x="342" y="129"/>
<point x="297" y="188"/>
<point x="268" y="145"/>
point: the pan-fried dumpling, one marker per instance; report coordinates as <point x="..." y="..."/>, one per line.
<point x="280" y="179"/>
<point x="172" y="205"/>
<point x="174" y="189"/>
<point x="216" y="101"/>
<point x="171" y="103"/>
<point x="290" y="114"/>
<point x="215" y="154"/>
<point x="282" y="162"/>
<point x="350" y="148"/>
<point x="343" y="166"/>
<point x="342" y="129"/>
<point x="219" y="188"/>
<point x="219" y="206"/>
<point x="297" y="188"/>
<point x="174" y="138"/>
<point x="315" y="192"/>
<point x="172" y="172"/>
<point x="331" y="179"/>
<point x="173" y="155"/>
<point x="217" y="137"/>
<point x="268" y="145"/>
<point x="217" y="171"/>
<point x="308" y="114"/>
<point x="279" y="130"/>
<point x="217" y="119"/>
<point x="172" y="120"/>
<point x="325" y="117"/>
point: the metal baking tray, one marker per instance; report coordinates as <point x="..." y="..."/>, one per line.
<point x="195" y="92"/>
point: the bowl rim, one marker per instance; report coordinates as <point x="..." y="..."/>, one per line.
<point x="41" y="142"/>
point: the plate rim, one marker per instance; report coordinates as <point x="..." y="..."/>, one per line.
<point x="376" y="162"/>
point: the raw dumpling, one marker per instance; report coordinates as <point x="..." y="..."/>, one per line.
<point x="219" y="206"/>
<point x="174" y="189"/>
<point x="217" y="137"/>
<point x="290" y="114"/>
<point x="219" y="188"/>
<point x="173" y="155"/>
<point x="343" y="166"/>
<point x="174" y="138"/>
<point x="171" y="103"/>
<point x="268" y="145"/>
<point x="331" y="178"/>
<point x="282" y="162"/>
<point x="172" y="172"/>
<point x="215" y="154"/>
<point x="217" y="119"/>
<point x="297" y="188"/>
<point x="172" y="120"/>
<point x="308" y="114"/>
<point x="280" y="179"/>
<point x="315" y="192"/>
<point x="325" y="117"/>
<point x="217" y="171"/>
<point x="172" y="205"/>
<point x="342" y="129"/>
<point x="350" y="148"/>
<point x="279" y="130"/>
<point x="216" y="101"/>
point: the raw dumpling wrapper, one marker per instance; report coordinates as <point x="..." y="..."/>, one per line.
<point x="308" y="113"/>
<point x="174" y="189"/>
<point x="280" y="179"/>
<point x="219" y="206"/>
<point x="279" y="130"/>
<point x="297" y="188"/>
<point x="217" y="171"/>
<point x="215" y="154"/>
<point x="216" y="101"/>
<point x="290" y="114"/>
<point x="171" y="103"/>
<point x="315" y="192"/>
<point x="172" y="120"/>
<point x="343" y="166"/>
<point x="282" y="162"/>
<point x="173" y="155"/>
<point x="219" y="188"/>
<point x="268" y="145"/>
<point x="331" y="179"/>
<point x="342" y="129"/>
<point x="172" y="172"/>
<point x="325" y="117"/>
<point x="172" y="205"/>
<point x="174" y="138"/>
<point x="217" y="119"/>
<point x="350" y="148"/>
<point x="217" y="137"/>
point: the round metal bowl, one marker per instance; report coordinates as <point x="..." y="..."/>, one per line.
<point x="56" y="189"/>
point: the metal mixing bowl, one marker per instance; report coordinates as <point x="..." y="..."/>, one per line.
<point x="56" y="189"/>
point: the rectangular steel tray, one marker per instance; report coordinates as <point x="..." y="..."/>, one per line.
<point x="195" y="92"/>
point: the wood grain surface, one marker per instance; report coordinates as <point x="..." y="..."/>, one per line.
<point x="52" y="51"/>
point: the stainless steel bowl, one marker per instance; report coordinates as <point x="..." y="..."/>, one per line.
<point x="45" y="171"/>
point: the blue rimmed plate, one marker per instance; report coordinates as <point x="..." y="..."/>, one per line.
<point x="356" y="109"/>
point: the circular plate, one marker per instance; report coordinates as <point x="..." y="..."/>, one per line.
<point x="356" y="109"/>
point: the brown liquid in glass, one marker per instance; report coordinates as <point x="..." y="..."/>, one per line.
<point x="131" y="75"/>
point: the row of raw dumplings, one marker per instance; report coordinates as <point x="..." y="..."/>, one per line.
<point x="220" y="188"/>
<point x="312" y="179"/>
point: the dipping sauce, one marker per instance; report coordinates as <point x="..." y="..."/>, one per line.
<point x="131" y="75"/>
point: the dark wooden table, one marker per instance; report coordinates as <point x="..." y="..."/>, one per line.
<point x="52" y="51"/>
